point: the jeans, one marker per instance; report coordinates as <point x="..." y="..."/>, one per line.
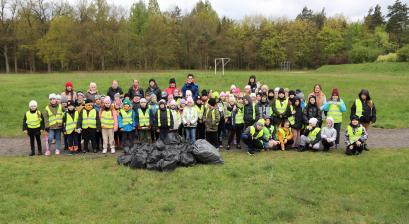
<point x="55" y="133"/>
<point x="190" y="134"/>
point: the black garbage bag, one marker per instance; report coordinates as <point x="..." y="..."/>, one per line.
<point x="124" y="160"/>
<point x="205" y="152"/>
<point x="174" y="138"/>
<point x="159" y="145"/>
<point x="186" y="157"/>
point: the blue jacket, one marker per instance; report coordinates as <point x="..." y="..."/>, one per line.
<point x="137" y="116"/>
<point x="128" y="127"/>
<point x="325" y="107"/>
<point x="192" y="87"/>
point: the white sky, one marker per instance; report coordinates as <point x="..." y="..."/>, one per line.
<point x="354" y="10"/>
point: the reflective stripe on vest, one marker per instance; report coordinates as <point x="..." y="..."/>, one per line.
<point x="281" y="108"/>
<point x="54" y="119"/>
<point x="33" y="119"/>
<point x="107" y="120"/>
<point x="200" y="111"/>
<point x="70" y="123"/>
<point x="239" y="116"/>
<point x="354" y="136"/>
<point x="168" y="117"/>
<point x="213" y="114"/>
<point x="334" y="111"/>
<point x="89" y="120"/>
<point x="126" y="117"/>
<point x="358" y="108"/>
<point x="291" y="119"/>
<point x="253" y="131"/>
<point x="254" y="111"/>
<point x="313" y="134"/>
<point x="283" y="133"/>
<point x="143" y="118"/>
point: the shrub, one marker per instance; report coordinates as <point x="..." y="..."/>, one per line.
<point x="362" y="54"/>
<point x="391" y="57"/>
<point x="403" y="53"/>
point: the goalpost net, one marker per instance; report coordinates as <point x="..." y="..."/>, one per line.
<point x="222" y="61"/>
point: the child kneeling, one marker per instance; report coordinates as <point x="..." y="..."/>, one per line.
<point x="312" y="136"/>
<point x="355" y="137"/>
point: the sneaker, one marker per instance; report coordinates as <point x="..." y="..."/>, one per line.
<point x="250" y="153"/>
<point x="53" y="141"/>
<point x="40" y="153"/>
<point x="104" y="151"/>
<point x="112" y="151"/>
<point x="47" y="153"/>
<point x="57" y="152"/>
<point x="238" y="146"/>
<point x="228" y="147"/>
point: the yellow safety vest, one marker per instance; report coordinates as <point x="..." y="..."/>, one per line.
<point x="126" y="117"/>
<point x="269" y="131"/>
<point x="239" y="116"/>
<point x="33" y="120"/>
<point x="71" y="124"/>
<point x="89" y="120"/>
<point x="281" y="109"/>
<point x="358" y="108"/>
<point x="107" y="119"/>
<point x="213" y="114"/>
<point x="200" y="111"/>
<point x="54" y="119"/>
<point x="334" y="111"/>
<point x="253" y="131"/>
<point x="254" y="111"/>
<point x="291" y="119"/>
<point x="354" y="136"/>
<point x="313" y="134"/>
<point x="168" y="118"/>
<point x="143" y="118"/>
<point x="283" y="133"/>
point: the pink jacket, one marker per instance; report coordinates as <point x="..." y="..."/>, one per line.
<point x="114" y="115"/>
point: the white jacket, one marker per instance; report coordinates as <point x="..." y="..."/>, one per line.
<point x="177" y="120"/>
<point x="329" y="134"/>
<point x="189" y="116"/>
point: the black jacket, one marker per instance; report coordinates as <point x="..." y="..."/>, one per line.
<point x="155" y="90"/>
<point x="111" y="92"/>
<point x="163" y="116"/>
<point x="310" y="111"/>
<point x="368" y="113"/>
<point x="298" y="119"/>
<point x="79" y="123"/>
<point x="133" y="93"/>
<point x="34" y="131"/>
<point x="248" y="114"/>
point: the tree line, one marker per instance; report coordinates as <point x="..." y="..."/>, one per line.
<point x="41" y="35"/>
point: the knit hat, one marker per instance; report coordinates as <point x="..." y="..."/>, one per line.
<point x="162" y="102"/>
<point x="236" y="90"/>
<point x="281" y="90"/>
<point x="97" y="97"/>
<point x="277" y="89"/>
<point x="143" y="100"/>
<point x="52" y="96"/>
<point x="291" y="92"/>
<point x="107" y="99"/>
<point x="247" y="87"/>
<point x="331" y="119"/>
<point x="354" y="117"/>
<point x="212" y="102"/>
<point x="58" y="97"/>
<point x="87" y="101"/>
<point x="232" y="87"/>
<point x="172" y="80"/>
<point x="164" y="94"/>
<point x="32" y="103"/>
<point x="335" y="92"/>
<point x="64" y="99"/>
<point x="204" y="92"/>
<point x="222" y="94"/>
<point x="172" y="103"/>
<point x="313" y="121"/>
<point x="188" y="92"/>
<point x="128" y="102"/>
<point x="68" y="84"/>
<point x="79" y="93"/>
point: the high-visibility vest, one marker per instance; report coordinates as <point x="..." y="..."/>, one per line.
<point x="143" y="118"/>
<point x="126" y="117"/>
<point x="269" y="131"/>
<point x="168" y="117"/>
<point x="253" y="132"/>
<point x="334" y="111"/>
<point x="213" y="114"/>
<point x="239" y="116"/>
<point x="291" y="119"/>
<point x="313" y="134"/>
<point x="254" y="111"/>
<point x="33" y="120"/>
<point x="354" y="136"/>
<point x="54" y="119"/>
<point x="107" y="119"/>
<point x="200" y="111"/>
<point x="71" y="123"/>
<point x="283" y="133"/>
<point x="89" y="120"/>
<point x="358" y="108"/>
<point x="281" y="108"/>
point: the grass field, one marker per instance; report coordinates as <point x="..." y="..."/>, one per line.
<point x="387" y="84"/>
<point x="273" y="187"/>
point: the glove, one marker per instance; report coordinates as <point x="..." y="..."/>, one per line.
<point x="79" y="130"/>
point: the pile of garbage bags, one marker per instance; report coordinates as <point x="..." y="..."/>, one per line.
<point x="170" y="153"/>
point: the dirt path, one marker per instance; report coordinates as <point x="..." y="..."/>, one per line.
<point x="378" y="138"/>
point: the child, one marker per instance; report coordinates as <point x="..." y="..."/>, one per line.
<point x="285" y="135"/>
<point x="328" y="134"/>
<point x="97" y="106"/>
<point x="89" y="125"/>
<point x="254" y="137"/>
<point x="53" y="122"/>
<point x="250" y="113"/>
<point x="334" y="108"/>
<point x="212" y="120"/>
<point x="117" y="105"/>
<point x="154" y="107"/>
<point x="177" y="116"/>
<point x="182" y="105"/>
<point x="237" y="121"/>
<point x="189" y="120"/>
<point x="70" y="121"/>
<point x="164" y="120"/>
<point x="80" y="101"/>
<point x="312" y="111"/>
<point x="311" y="137"/>
<point x="126" y="124"/>
<point x="143" y="120"/>
<point x="296" y="121"/>
<point x="109" y="124"/>
<point x="280" y="107"/>
<point x="263" y="107"/>
<point x="355" y="137"/>
<point x="33" y="125"/>
<point x="200" y="108"/>
<point x="271" y="136"/>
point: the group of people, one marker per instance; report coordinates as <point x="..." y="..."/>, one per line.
<point x="260" y="117"/>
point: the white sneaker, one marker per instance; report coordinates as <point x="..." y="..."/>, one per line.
<point x="57" y="152"/>
<point x="112" y="151"/>
<point x="104" y="151"/>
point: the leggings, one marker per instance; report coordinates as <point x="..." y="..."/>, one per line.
<point x="235" y="131"/>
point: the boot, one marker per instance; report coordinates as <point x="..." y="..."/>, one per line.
<point x="31" y="154"/>
<point x="301" y="148"/>
<point x="366" y="147"/>
<point x="228" y="147"/>
<point x="40" y="153"/>
<point x="238" y="146"/>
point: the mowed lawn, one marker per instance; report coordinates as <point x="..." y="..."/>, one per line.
<point x="387" y="83"/>
<point x="272" y="187"/>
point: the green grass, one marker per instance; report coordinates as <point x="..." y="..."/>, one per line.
<point x="273" y="187"/>
<point x="387" y="84"/>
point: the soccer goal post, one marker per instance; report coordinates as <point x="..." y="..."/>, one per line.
<point x="222" y="61"/>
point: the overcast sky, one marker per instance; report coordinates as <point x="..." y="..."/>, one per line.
<point x="237" y="9"/>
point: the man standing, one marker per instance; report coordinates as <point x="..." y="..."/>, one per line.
<point x="190" y="85"/>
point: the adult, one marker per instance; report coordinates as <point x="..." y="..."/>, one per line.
<point x="334" y="108"/>
<point x="320" y="97"/>
<point x="190" y="85"/>
<point x="69" y="92"/>
<point x="364" y="108"/>
<point x="172" y="87"/>
<point x="92" y="92"/>
<point x="135" y="90"/>
<point x="153" y="88"/>
<point x="114" y="89"/>
<point x="252" y="83"/>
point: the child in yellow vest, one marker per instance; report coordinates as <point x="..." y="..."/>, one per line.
<point x="285" y="135"/>
<point x="89" y="126"/>
<point x="311" y="138"/>
<point x="70" y="120"/>
<point x="33" y="126"/>
<point x="143" y="121"/>
<point x="355" y="137"/>
<point x="109" y="124"/>
<point x="53" y="123"/>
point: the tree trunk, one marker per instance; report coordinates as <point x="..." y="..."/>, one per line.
<point x="6" y="58"/>
<point x="103" y="63"/>
<point x="33" y="63"/>
<point x="15" y="60"/>
<point x="49" y="67"/>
